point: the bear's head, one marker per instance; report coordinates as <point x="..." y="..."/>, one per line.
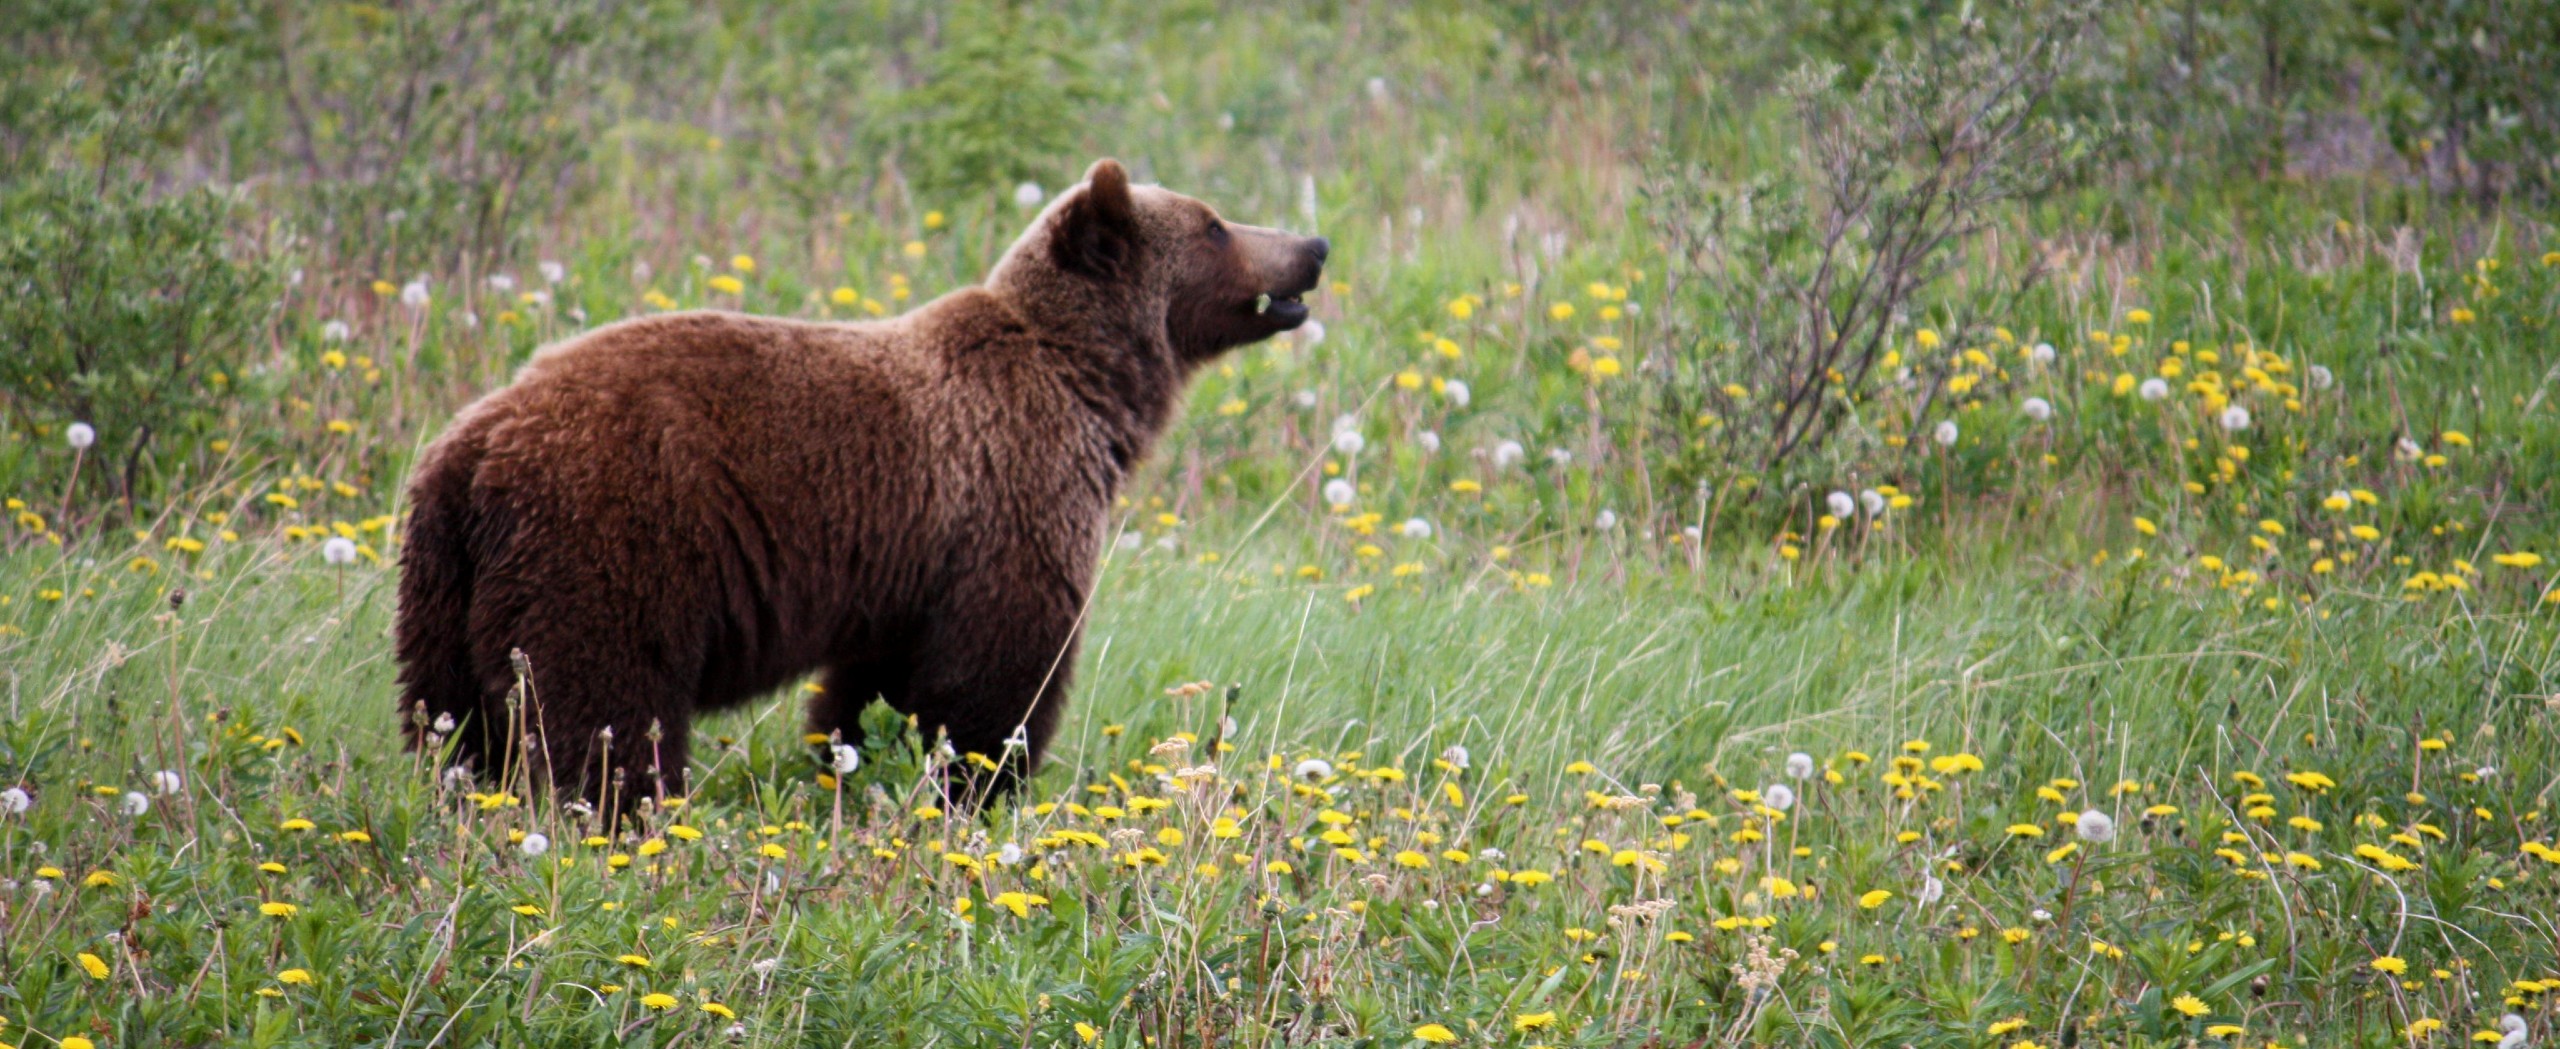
<point x="1161" y="266"/>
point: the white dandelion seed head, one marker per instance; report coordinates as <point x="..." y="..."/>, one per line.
<point x="414" y="294"/>
<point x="1377" y="89"/>
<point x="1800" y="766"/>
<point x="1483" y="888"/>
<point x="1779" y="796"/>
<point x="1842" y="504"/>
<point x="2040" y="914"/>
<point x="1303" y="398"/>
<point x="1946" y="433"/>
<point x="1165" y="542"/>
<point x="443" y="725"/>
<point x="80" y="435"/>
<point x="167" y="781"/>
<point x="1560" y="456"/>
<point x="1457" y="391"/>
<point x="1339" y="492"/>
<point x="470" y="319"/>
<point x="1607" y="520"/>
<point x="135" y="803"/>
<point x="2485" y="771"/>
<point x="2407" y="449"/>
<point x="2095" y="827"/>
<point x="2322" y="378"/>
<point x="457" y="775"/>
<point x="1414" y="528"/>
<point x="1457" y="757"/>
<point x="15" y="800"/>
<point x="339" y="550"/>
<point x="1429" y="440"/>
<point x="1931" y="889"/>
<point x="502" y="282"/>
<point x="1873" y="501"/>
<point x="2041" y="353"/>
<point x="1349" y="442"/>
<point x="335" y="331"/>
<point x="1010" y="854"/>
<point x="553" y="272"/>
<point x="294" y="279"/>
<point x="1029" y="195"/>
<point x="766" y="966"/>
<point x="1312" y="770"/>
<point x="2235" y="418"/>
<point x="1310" y="334"/>
<point x="1227" y="120"/>
<point x="535" y="843"/>
<point x="2154" y="389"/>
<point x="1508" y="453"/>
<point x="1130" y="541"/>
<point x="844" y="759"/>
<point x="2037" y="408"/>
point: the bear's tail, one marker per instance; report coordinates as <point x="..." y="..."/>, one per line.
<point x="440" y="695"/>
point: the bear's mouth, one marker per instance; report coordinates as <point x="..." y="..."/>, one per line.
<point x="1284" y="310"/>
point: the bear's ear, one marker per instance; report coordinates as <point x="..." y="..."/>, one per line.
<point x="1097" y="232"/>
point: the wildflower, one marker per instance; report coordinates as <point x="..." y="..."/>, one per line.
<point x="1607" y="520"/>
<point x="1456" y="390"/>
<point x="1945" y="434"/>
<point x="719" y="1010"/>
<point x="2037" y="408"/>
<point x="294" y="976"/>
<point x="414" y="294"/>
<point x="1349" y="442"/>
<point x="1526" y="1022"/>
<point x="658" y="1001"/>
<point x="2235" y="418"/>
<point x="1339" y="493"/>
<point x="95" y="966"/>
<point x="134" y="803"/>
<point x="338" y="550"/>
<point x="1312" y="770"/>
<point x="1779" y="796"/>
<point x="1842" y="506"/>
<point x="2153" y="389"/>
<point x="1508" y="453"/>
<point x="1028" y="195"/>
<point x="274" y="909"/>
<point x="1457" y="757"/>
<point x="1435" y="1033"/>
<point x="636" y="961"/>
<point x="1311" y="334"/>
<point x="2389" y="965"/>
<point x="15" y="800"/>
<point x="1874" y="899"/>
<point x="2190" y="1005"/>
<point x="80" y="436"/>
<point x="1415" y="528"/>
<point x="2040" y="353"/>
<point x="1800" y="766"/>
<point x="535" y="843"/>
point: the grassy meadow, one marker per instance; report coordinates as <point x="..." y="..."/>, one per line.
<point x="2159" y="647"/>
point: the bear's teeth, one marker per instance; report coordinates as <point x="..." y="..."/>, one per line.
<point x="1262" y="303"/>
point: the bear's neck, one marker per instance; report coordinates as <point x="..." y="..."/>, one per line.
<point x="1124" y="372"/>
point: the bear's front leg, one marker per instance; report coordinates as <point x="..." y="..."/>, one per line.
<point x="991" y="678"/>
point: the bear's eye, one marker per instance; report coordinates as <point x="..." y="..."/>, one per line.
<point x="1217" y="232"/>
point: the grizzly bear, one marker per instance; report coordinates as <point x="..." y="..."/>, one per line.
<point x="679" y="513"/>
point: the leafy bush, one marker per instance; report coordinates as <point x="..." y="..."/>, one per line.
<point x="125" y="309"/>
<point x="1785" y="289"/>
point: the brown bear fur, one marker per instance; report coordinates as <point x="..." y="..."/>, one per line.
<point x="678" y="513"/>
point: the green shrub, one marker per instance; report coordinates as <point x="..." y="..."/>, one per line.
<point x="126" y="309"/>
